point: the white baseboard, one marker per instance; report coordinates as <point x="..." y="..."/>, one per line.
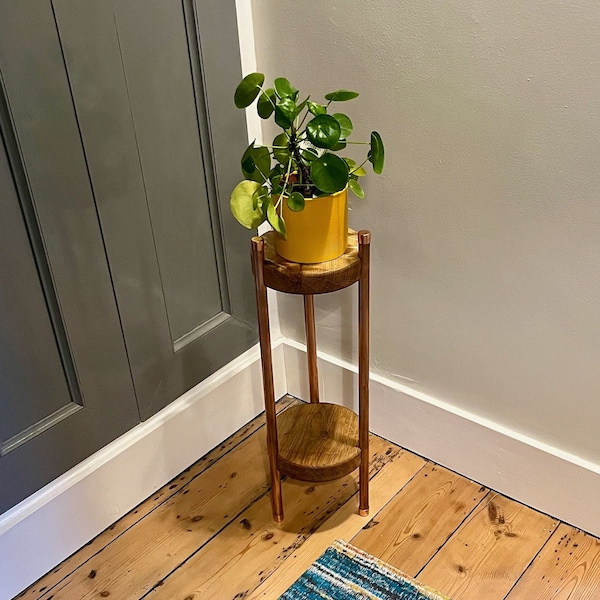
<point x="534" y="473"/>
<point x="44" y="529"/>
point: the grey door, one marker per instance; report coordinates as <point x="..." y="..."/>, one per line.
<point x="124" y="145"/>
<point x="65" y="385"/>
<point x="152" y="84"/>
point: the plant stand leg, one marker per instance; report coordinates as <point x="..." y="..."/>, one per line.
<point x="311" y="347"/>
<point x="267" y="373"/>
<point x="364" y="252"/>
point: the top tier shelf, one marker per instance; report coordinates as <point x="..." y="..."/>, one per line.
<point x="319" y="278"/>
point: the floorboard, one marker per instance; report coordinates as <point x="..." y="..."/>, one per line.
<point x="209" y="534"/>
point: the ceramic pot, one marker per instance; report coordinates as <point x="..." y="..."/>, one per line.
<point x="318" y="233"/>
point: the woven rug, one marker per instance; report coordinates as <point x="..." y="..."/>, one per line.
<point x="345" y="572"/>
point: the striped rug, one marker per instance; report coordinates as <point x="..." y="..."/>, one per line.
<point x="344" y="572"/>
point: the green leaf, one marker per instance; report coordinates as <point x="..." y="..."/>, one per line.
<point x="248" y="89"/>
<point x="281" y="155"/>
<point x="355" y="187"/>
<point x="317" y="109"/>
<point x="329" y="173"/>
<point x="285" y="113"/>
<point x="296" y="201"/>
<point x="285" y="89"/>
<point x="341" y="96"/>
<point x="243" y="207"/>
<point x="277" y="223"/>
<point x="345" y="124"/>
<point x="354" y="169"/>
<point x="256" y="160"/>
<point x="308" y="155"/>
<point x="376" y="153"/>
<point x="339" y="146"/>
<point x="259" y="197"/>
<point x="266" y="104"/>
<point x="323" y="131"/>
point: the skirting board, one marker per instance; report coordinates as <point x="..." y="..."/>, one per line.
<point x="534" y="473"/>
<point x="50" y="525"/>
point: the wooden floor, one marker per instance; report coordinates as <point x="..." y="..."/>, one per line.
<point x="209" y="534"/>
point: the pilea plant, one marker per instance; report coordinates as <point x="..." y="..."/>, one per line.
<point x="302" y="162"/>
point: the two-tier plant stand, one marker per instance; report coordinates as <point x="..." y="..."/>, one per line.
<point x="316" y="441"/>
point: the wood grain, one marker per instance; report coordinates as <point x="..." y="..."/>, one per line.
<point x="318" y="442"/>
<point x="420" y="518"/>
<point x="344" y="524"/>
<point x="489" y="552"/>
<point x="567" y="568"/>
<point x="307" y="279"/>
<point x="224" y="544"/>
<point x="251" y="548"/>
<point x="46" y="583"/>
<point x="143" y="555"/>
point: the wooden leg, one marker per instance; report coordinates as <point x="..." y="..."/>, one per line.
<point x="364" y="252"/>
<point x="311" y="347"/>
<point x="267" y="373"/>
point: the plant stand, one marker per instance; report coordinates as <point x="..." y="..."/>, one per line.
<point x="316" y="441"/>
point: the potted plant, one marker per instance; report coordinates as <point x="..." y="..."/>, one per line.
<point x="300" y="182"/>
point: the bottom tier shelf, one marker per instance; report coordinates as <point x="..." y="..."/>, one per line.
<point x="318" y="442"/>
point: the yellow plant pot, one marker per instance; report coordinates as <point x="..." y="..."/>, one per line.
<point x="317" y="233"/>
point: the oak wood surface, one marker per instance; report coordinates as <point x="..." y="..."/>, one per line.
<point x="567" y="568"/>
<point x="318" y="442"/>
<point x="252" y="547"/>
<point x="420" y="518"/>
<point x="143" y="555"/>
<point x="488" y="553"/>
<point x="46" y="583"/>
<point x="500" y="549"/>
<point x="343" y="524"/>
<point x="318" y="278"/>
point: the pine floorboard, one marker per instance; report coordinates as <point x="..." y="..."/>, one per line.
<point x="209" y="534"/>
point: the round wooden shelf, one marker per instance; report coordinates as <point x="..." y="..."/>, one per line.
<point x="319" y="278"/>
<point x="318" y="442"/>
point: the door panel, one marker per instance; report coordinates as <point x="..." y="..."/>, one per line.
<point x="138" y="88"/>
<point x="49" y="184"/>
<point x="30" y="396"/>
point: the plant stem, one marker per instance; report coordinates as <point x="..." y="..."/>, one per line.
<point x="307" y="189"/>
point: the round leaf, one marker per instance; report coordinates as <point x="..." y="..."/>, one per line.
<point x="285" y="113"/>
<point x="242" y="204"/>
<point x="295" y="201"/>
<point x="341" y="95"/>
<point x="285" y="89"/>
<point x="277" y="223"/>
<point x="329" y="173"/>
<point x="355" y="187"/>
<point x="376" y="153"/>
<point x="323" y="131"/>
<point x="317" y="109"/>
<point x="345" y="124"/>
<point x="248" y="89"/>
<point x="256" y="163"/>
<point x="266" y="104"/>
<point x="281" y="154"/>
<point x="308" y="155"/>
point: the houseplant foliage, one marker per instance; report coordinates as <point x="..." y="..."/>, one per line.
<point x="305" y="160"/>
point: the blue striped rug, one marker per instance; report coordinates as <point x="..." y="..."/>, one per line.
<point x="344" y="572"/>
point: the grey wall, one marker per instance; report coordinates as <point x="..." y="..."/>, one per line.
<point x="486" y="222"/>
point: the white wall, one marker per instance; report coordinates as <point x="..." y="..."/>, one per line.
<point x="486" y="222"/>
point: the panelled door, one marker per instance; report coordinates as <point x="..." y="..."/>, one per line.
<point x="123" y="144"/>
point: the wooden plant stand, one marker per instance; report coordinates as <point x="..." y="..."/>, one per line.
<point x="316" y="441"/>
